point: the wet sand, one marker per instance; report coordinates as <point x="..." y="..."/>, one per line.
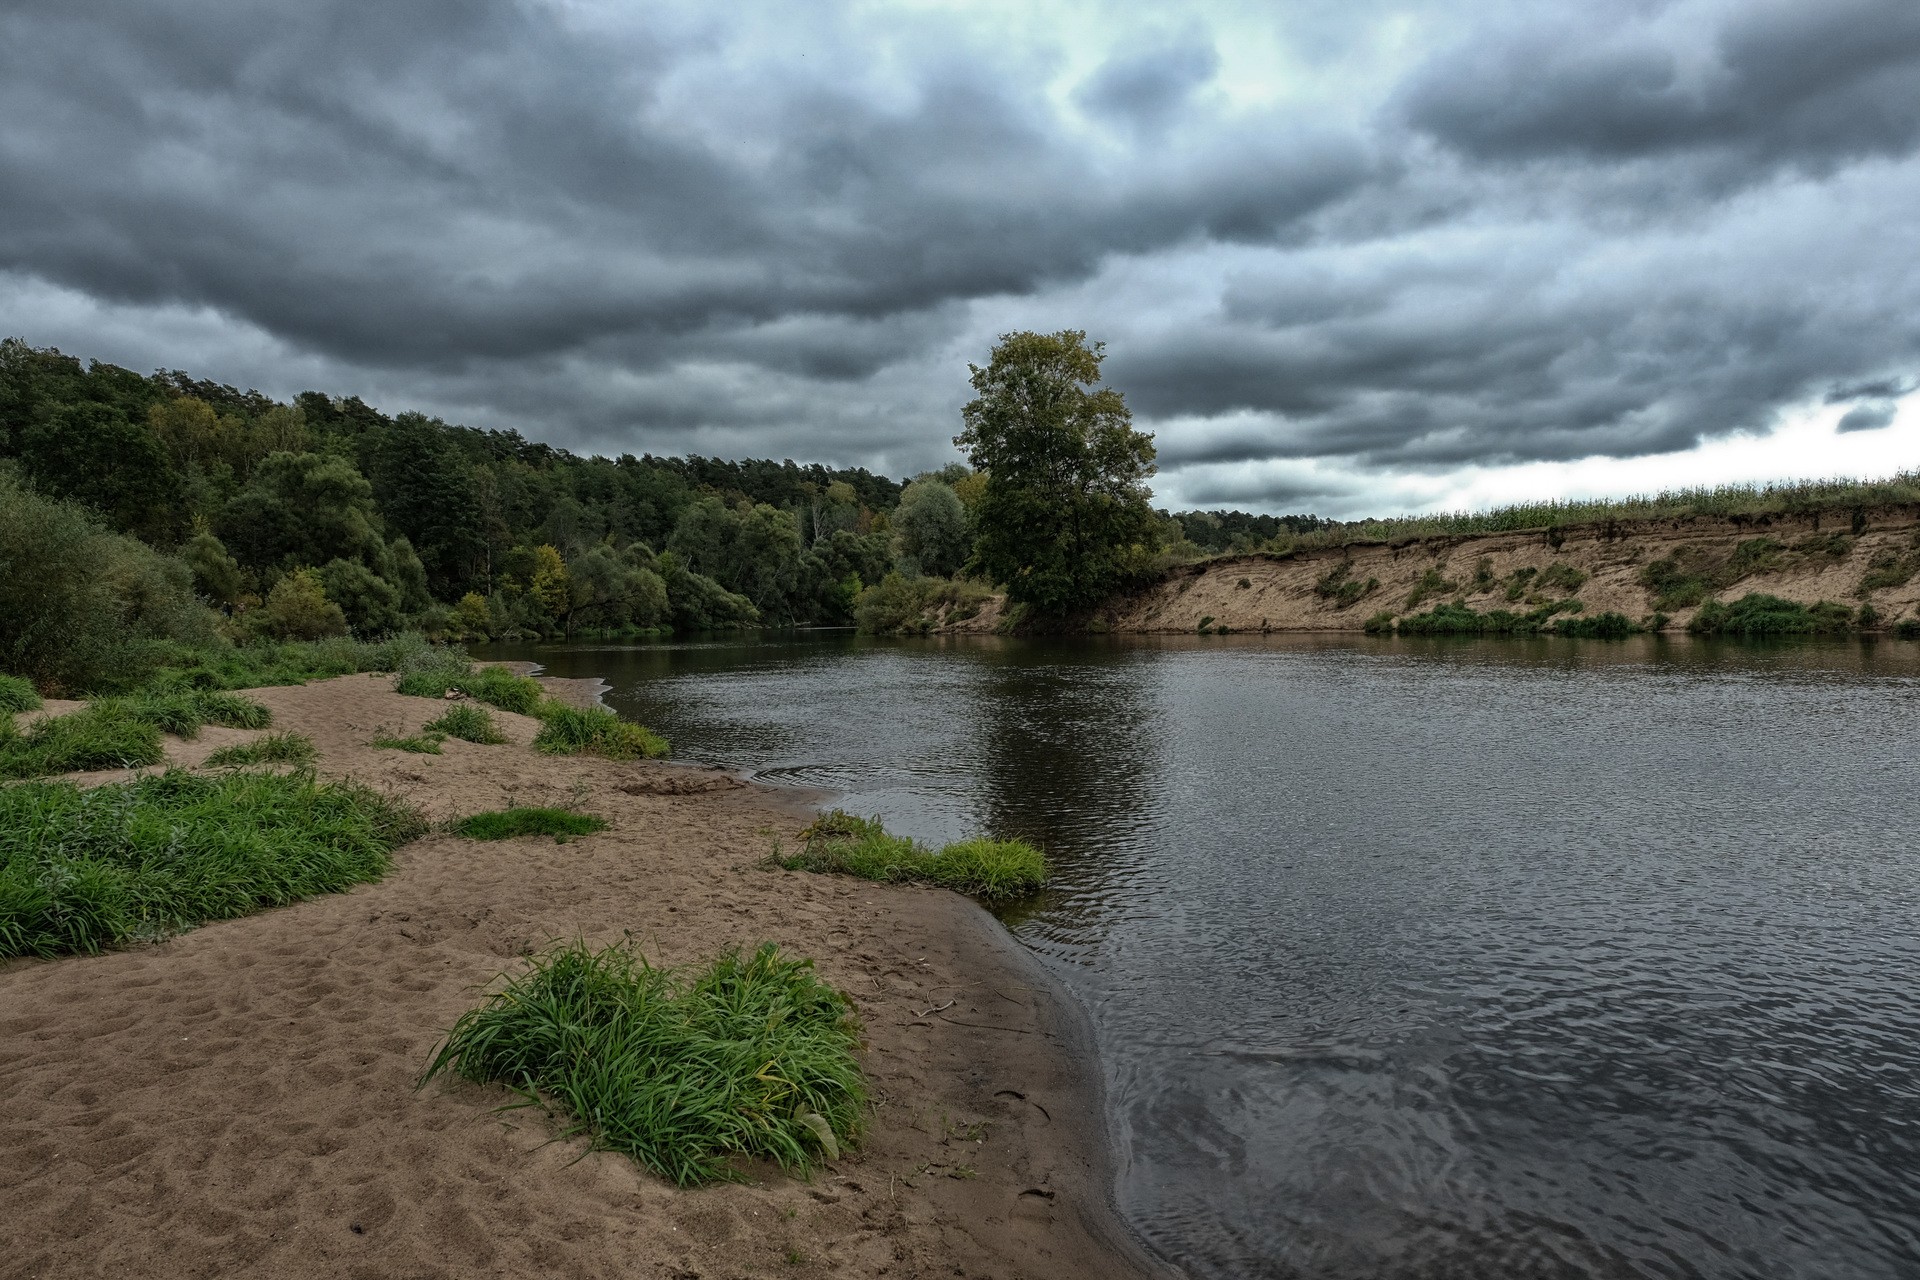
<point x="240" y="1099"/>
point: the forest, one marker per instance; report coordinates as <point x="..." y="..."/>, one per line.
<point x="165" y="497"/>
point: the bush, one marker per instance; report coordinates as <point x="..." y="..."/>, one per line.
<point x="1907" y="629"/>
<point x="569" y="731"/>
<point x="504" y="824"/>
<point x="1755" y="614"/>
<point x="1339" y="587"/>
<point x="273" y="748"/>
<point x="81" y="870"/>
<point x="82" y="608"/>
<point x="17" y="695"/>
<point x="297" y="608"/>
<point x="752" y="1056"/>
<point x="1600" y="626"/>
<point x="468" y="723"/>
<point x="992" y="870"/>
<point x="102" y="737"/>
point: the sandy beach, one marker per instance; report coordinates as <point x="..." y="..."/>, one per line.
<point x="241" y="1099"/>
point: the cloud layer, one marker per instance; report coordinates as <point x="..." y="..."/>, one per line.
<point x="1327" y="246"/>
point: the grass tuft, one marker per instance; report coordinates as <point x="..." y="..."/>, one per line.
<point x="991" y="870"/>
<point x="684" y="1071"/>
<point x="86" y="869"/>
<point x="434" y="674"/>
<point x="504" y="824"/>
<point x="571" y="731"/>
<point x="17" y="695"/>
<point x="421" y="744"/>
<point x="467" y="723"/>
<point x="181" y="712"/>
<point x="274" y="748"/>
<point x="97" y="737"/>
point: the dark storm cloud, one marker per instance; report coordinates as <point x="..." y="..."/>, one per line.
<point x="1781" y="81"/>
<point x="1611" y="229"/>
<point x="1865" y="417"/>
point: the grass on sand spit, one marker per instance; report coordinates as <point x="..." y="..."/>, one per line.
<point x="119" y="733"/>
<point x="991" y="870"/>
<point x="85" y="869"/>
<point x="503" y="824"/>
<point x="274" y="748"/>
<point x="570" y="731"/>
<point x="684" y="1071"/>
<point x="467" y="723"/>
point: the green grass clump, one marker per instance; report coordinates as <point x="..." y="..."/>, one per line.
<point x="467" y="723"/>
<point x="17" y="695"/>
<point x="85" y="869"/>
<point x="1432" y="583"/>
<point x="274" y="748"/>
<point x="1755" y="614"/>
<point x="1599" y="626"/>
<point x="1561" y="576"/>
<point x="991" y="870"/>
<point x="97" y="737"/>
<point x="504" y="824"/>
<point x="1338" y="586"/>
<point x="261" y="663"/>
<point x="571" y="731"/>
<point x="421" y="744"/>
<point x="752" y="1056"/>
<point x="434" y="674"/>
<point x="181" y="712"/>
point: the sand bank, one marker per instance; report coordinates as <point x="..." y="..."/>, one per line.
<point x="240" y="1100"/>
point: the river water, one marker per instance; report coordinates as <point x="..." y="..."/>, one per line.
<point x="1434" y="959"/>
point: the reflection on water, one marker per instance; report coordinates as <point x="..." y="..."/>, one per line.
<point x="1425" y="958"/>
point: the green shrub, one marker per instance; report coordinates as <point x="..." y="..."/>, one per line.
<point x="569" y="731"/>
<point x="1755" y="614"/>
<point x="1380" y="624"/>
<point x="1907" y="629"/>
<point x="17" y="695"/>
<point x="1599" y="626"/>
<point x="1338" y="586"/>
<point x="504" y="824"/>
<point x="1518" y="581"/>
<point x="82" y="608"/>
<point x="81" y="870"/>
<point x="752" y="1056"/>
<point x="1889" y="569"/>
<point x="468" y="723"/>
<point x="992" y="870"/>
<point x="101" y="737"/>
<point x="1431" y="584"/>
<point x="432" y="673"/>
<point x="297" y="608"/>
<point x="274" y="748"/>
<point x="1561" y="576"/>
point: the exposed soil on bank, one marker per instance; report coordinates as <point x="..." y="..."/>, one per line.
<point x="240" y="1100"/>
<point x="1823" y="556"/>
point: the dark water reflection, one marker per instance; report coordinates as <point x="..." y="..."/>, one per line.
<point x="1426" y="959"/>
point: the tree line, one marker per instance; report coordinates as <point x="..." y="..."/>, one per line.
<point x="319" y="515"/>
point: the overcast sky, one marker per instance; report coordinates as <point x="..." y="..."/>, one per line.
<point x="1350" y="256"/>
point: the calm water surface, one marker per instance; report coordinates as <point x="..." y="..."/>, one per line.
<point x="1448" y="959"/>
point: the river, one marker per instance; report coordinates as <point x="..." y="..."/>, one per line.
<point x="1434" y="959"/>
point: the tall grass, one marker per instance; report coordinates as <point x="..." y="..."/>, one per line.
<point x="261" y="663"/>
<point x="91" y="738"/>
<point x="468" y="723"/>
<point x="751" y="1056"/>
<point x="434" y="675"/>
<point x="272" y="748"/>
<point x="17" y="695"/>
<point x="991" y="870"/>
<point x="505" y="824"/>
<point x="1784" y="498"/>
<point x="81" y="870"/>
<point x="569" y="731"/>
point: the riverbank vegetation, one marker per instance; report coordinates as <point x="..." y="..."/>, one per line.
<point x="504" y="824"/>
<point x="85" y="869"/>
<point x="990" y="870"/>
<point x="685" y="1071"/>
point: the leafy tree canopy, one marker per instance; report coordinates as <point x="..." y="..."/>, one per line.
<point x="1063" y="518"/>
